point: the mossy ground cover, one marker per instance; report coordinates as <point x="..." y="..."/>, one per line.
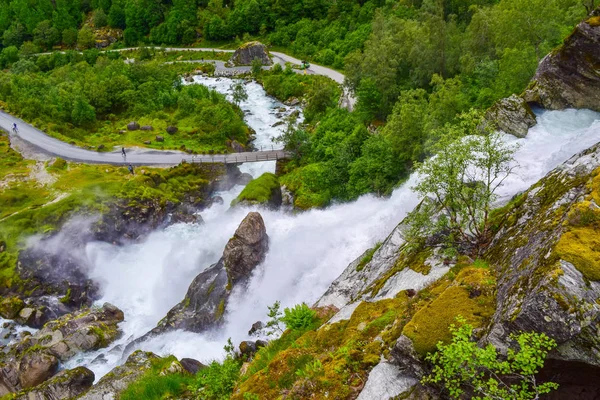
<point x="470" y="295"/>
<point x="259" y="190"/>
<point x="332" y="361"/>
<point x="580" y="244"/>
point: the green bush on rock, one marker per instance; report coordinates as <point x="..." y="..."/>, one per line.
<point x="263" y="190"/>
<point x="463" y="363"/>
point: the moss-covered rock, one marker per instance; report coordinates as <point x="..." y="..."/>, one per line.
<point x="66" y="384"/>
<point x="546" y="252"/>
<point x="249" y="51"/>
<point x="264" y="190"/>
<point x="10" y="307"/>
<point x="511" y="115"/>
<point x="470" y="296"/>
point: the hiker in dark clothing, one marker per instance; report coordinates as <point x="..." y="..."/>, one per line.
<point x="123" y="152"/>
<point x="130" y="168"/>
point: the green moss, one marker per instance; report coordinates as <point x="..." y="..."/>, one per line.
<point x="367" y="257"/>
<point x="408" y="258"/>
<point x="105" y="334"/>
<point x="67" y="297"/>
<point x="470" y="296"/>
<point x="330" y="362"/>
<point x="259" y="190"/>
<point x="581" y="247"/>
<point x="10" y="307"/>
<point x="220" y="310"/>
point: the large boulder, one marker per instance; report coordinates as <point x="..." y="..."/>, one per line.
<point x="547" y="252"/>
<point x="511" y="115"/>
<point x="206" y="299"/>
<point x="133" y="126"/>
<point x="66" y="384"/>
<point x="264" y="190"/>
<point x="568" y="77"/>
<point x="246" y="249"/>
<point x="29" y="370"/>
<point x="247" y="52"/>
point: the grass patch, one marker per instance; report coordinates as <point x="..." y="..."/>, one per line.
<point x="154" y="386"/>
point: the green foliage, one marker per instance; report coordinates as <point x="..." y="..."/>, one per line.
<point x="273" y="326"/>
<point x="238" y="92"/>
<point x="259" y="190"/>
<point x="299" y="317"/>
<point x="463" y="364"/>
<point x="216" y="382"/>
<point x="463" y="179"/>
<point x="89" y="101"/>
<point x="256" y="66"/>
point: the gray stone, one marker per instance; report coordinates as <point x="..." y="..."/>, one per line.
<point x="192" y="366"/>
<point x="537" y="290"/>
<point x="172" y="130"/>
<point x="133" y="126"/>
<point x="511" y="115"/>
<point x="146" y="128"/>
<point x="247" y="52"/>
<point x="385" y="382"/>
<point x="205" y="302"/>
<point x="65" y="385"/>
<point x="159" y="138"/>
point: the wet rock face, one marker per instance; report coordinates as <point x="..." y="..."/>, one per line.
<point x="247" y="52"/>
<point x="206" y="299"/>
<point x="538" y="289"/>
<point x="568" y="77"/>
<point x="512" y="115"/>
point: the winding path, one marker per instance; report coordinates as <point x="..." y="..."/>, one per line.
<point x="140" y="156"/>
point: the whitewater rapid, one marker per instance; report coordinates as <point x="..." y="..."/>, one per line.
<point x="307" y="251"/>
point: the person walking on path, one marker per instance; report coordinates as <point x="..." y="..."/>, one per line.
<point x="123" y="152"/>
<point x="15" y="129"/>
<point x="130" y="168"/>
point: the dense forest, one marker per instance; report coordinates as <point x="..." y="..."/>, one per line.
<point x="415" y="66"/>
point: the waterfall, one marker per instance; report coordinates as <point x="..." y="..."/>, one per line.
<point x="307" y="250"/>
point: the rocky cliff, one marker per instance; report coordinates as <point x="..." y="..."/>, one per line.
<point x="569" y="77"/>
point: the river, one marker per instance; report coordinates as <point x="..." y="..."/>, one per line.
<point x="307" y="250"/>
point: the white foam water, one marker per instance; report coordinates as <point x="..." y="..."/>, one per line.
<point x="307" y="251"/>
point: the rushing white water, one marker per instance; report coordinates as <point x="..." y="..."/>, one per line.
<point x="307" y="251"/>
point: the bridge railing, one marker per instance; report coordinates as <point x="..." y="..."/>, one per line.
<point x="238" y="158"/>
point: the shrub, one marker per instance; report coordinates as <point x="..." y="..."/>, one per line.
<point x="217" y="381"/>
<point x="299" y="317"/>
<point x="463" y="363"/>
